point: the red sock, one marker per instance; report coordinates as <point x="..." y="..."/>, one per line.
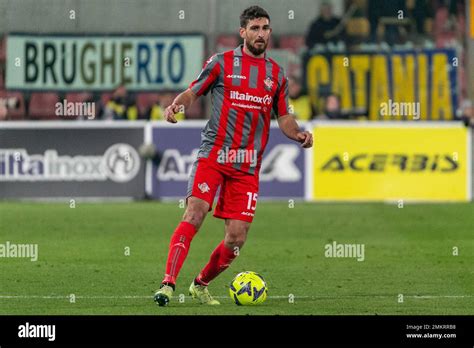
<point x="220" y="260"/>
<point x="179" y="247"/>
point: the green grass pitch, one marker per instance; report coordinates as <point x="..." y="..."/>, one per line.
<point x="408" y="251"/>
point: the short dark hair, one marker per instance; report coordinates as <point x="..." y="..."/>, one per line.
<point x="252" y="12"/>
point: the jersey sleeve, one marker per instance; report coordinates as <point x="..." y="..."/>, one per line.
<point x="281" y="105"/>
<point x="207" y="77"/>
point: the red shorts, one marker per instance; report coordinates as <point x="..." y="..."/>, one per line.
<point x="238" y="190"/>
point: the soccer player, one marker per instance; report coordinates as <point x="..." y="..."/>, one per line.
<point x="246" y="86"/>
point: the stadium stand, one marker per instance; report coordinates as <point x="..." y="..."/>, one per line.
<point x="294" y="43"/>
<point x="228" y="40"/>
<point x="3" y="49"/>
<point x="428" y="24"/>
<point x="358" y="27"/>
<point x="196" y="111"/>
<point x="79" y="97"/>
<point x="105" y="97"/>
<point x="16" y="104"/>
<point x="42" y="105"/>
<point x="2" y="79"/>
<point x="145" y="101"/>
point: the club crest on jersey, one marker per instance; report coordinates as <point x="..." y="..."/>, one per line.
<point x="268" y="83"/>
<point x="204" y="187"/>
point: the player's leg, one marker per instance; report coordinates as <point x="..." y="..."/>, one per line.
<point x="180" y="242"/>
<point x="221" y="258"/>
<point x="235" y="236"/>
<point x="237" y="204"/>
<point x="193" y="218"/>
<point x="202" y="187"/>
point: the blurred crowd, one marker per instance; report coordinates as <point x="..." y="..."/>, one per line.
<point x="384" y="26"/>
<point x="365" y="25"/>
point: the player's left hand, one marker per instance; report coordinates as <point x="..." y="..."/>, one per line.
<point x="305" y="138"/>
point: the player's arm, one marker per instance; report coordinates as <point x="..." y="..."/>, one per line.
<point x="286" y="121"/>
<point x="290" y="128"/>
<point x="198" y="87"/>
<point x="183" y="100"/>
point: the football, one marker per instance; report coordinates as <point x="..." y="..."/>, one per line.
<point x="248" y="288"/>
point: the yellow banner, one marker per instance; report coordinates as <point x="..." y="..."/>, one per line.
<point x="390" y="163"/>
<point x="367" y="83"/>
<point x="471" y="6"/>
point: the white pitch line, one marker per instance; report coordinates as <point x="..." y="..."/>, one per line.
<point x="111" y="297"/>
<point x="272" y="297"/>
<point x="447" y="296"/>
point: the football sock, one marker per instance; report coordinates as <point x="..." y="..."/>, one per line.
<point x="219" y="261"/>
<point x="168" y="284"/>
<point x="178" y="250"/>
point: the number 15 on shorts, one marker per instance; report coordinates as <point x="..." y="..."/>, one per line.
<point x="252" y="200"/>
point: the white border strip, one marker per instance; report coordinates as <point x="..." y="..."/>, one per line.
<point x="272" y="199"/>
<point x="469" y="164"/>
<point x="180" y="124"/>
<point x="390" y="124"/>
<point x="148" y="140"/>
<point x="308" y="165"/>
<point x="65" y="200"/>
<point x="71" y="124"/>
<point x="202" y="123"/>
<point x="390" y="201"/>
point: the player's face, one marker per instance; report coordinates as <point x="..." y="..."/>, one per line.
<point x="256" y="35"/>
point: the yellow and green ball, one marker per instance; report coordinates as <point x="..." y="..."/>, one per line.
<point x="248" y="288"/>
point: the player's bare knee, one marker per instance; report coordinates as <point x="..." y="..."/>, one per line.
<point x="196" y="211"/>
<point x="234" y="243"/>
<point x="194" y="216"/>
<point x="236" y="233"/>
<point x="235" y="238"/>
<point x="239" y="242"/>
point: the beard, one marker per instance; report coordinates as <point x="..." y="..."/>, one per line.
<point x="254" y="50"/>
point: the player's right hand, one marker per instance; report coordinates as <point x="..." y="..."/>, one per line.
<point x="170" y="111"/>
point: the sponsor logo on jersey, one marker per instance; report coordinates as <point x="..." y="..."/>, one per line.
<point x="241" y="77"/>
<point x="248" y="106"/>
<point x="266" y="100"/>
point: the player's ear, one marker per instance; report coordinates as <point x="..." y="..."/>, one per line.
<point x="242" y="32"/>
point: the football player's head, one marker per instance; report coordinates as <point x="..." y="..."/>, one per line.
<point x="255" y="29"/>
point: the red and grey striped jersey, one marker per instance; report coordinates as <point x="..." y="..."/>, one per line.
<point x="244" y="91"/>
